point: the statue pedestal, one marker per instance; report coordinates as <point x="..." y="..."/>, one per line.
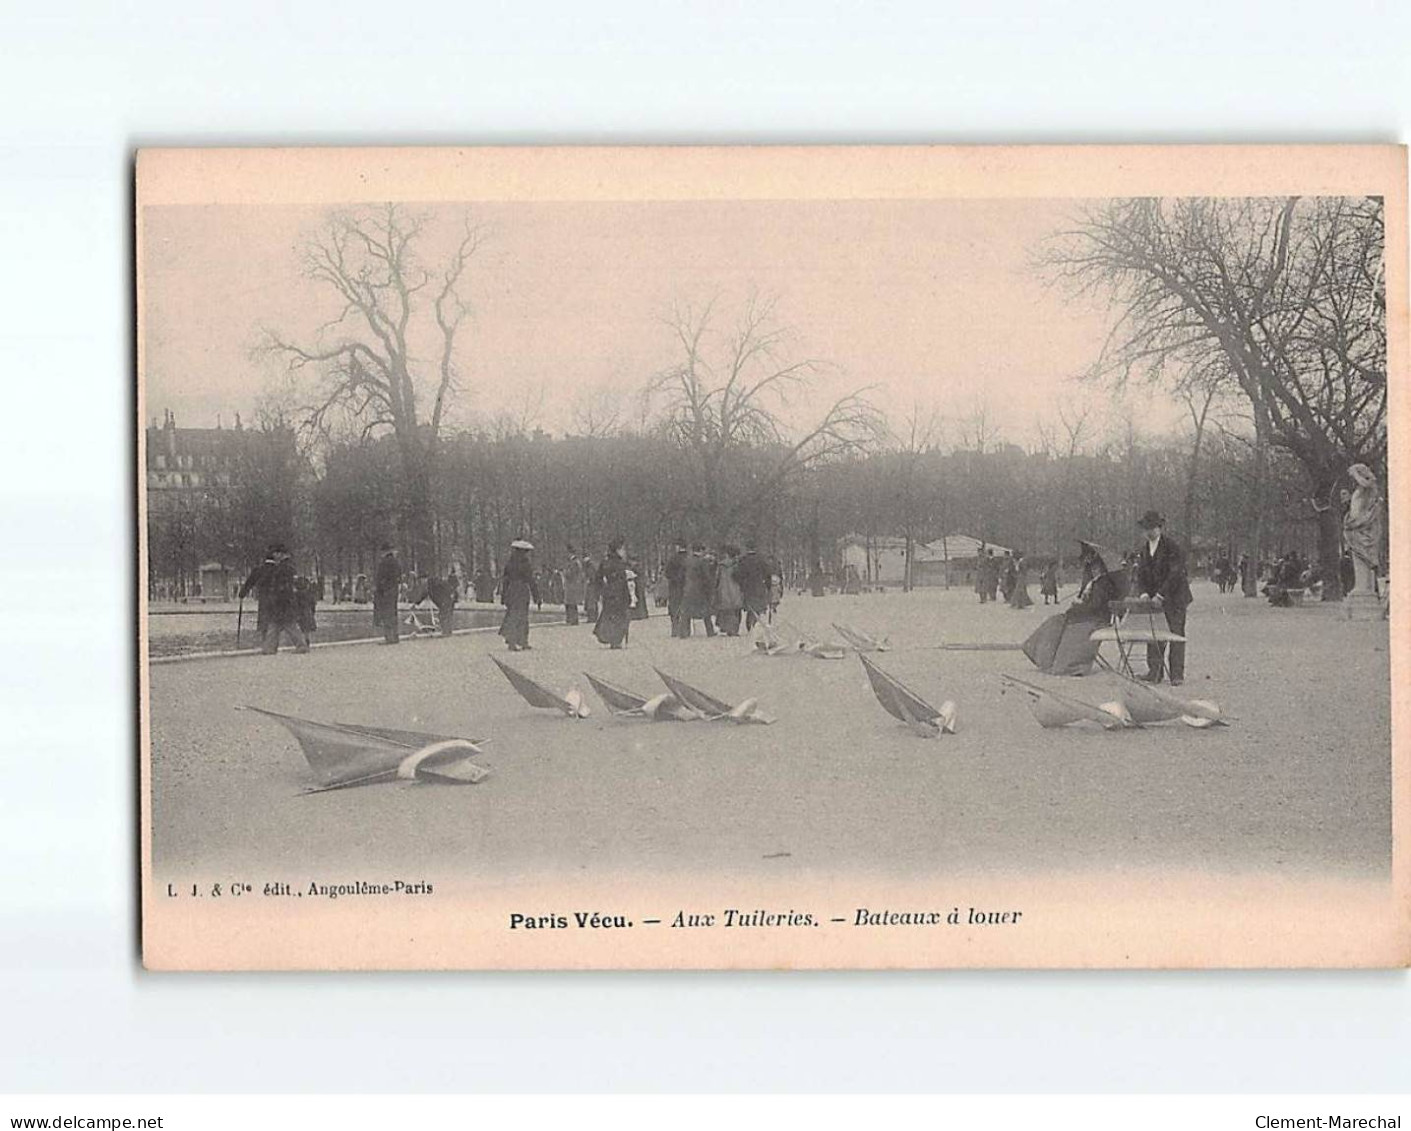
<point x="1362" y="606"/>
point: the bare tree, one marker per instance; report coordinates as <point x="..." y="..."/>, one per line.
<point x="917" y="437"/>
<point x="597" y="412"/>
<point x="1283" y="300"/>
<point x="723" y="399"/>
<point x="978" y="430"/>
<point x="370" y="374"/>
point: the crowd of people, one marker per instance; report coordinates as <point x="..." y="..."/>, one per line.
<point x="734" y="588"/>
<point x="723" y="591"/>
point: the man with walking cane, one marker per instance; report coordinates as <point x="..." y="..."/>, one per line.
<point x="273" y="584"/>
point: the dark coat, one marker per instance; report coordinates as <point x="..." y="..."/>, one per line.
<point x="676" y="575"/>
<point x="612" y="584"/>
<point x="1094" y="603"/>
<point x="306" y="604"/>
<point x="386" y="585"/>
<point x="444" y="592"/>
<point x="1164" y="574"/>
<point x="752" y="575"/>
<point x="700" y="586"/>
<point x="273" y="585"/>
<point x="518" y="585"/>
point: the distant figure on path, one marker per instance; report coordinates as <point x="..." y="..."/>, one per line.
<point x="752" y="575"/>
<point x="729" y="596"/>
<point x="1048" y="585"/>
<point x="1018" y="595"/>
<point x="1008" y="577"/>
<point x="591" y="594"/>
<point x="1249" y="576"/>
<point x="1161" y="575"/>
<point x="676" y="586"/>
<point x="637" y="575"/>
<point x="615" y="587"/>
<point x="575" y="588"/>
<point x="700" y="589"/>
<point x="386" y="587"/>
<point x="517" y="589"/>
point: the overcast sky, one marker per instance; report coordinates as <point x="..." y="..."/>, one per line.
<point x="935" y="302"/>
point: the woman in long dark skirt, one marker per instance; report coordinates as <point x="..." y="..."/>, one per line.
<point x="1019" y="592"/>
<point x="517" y="589"/>
<point x="1063" y="644"/>
<point x="615" y="594"/>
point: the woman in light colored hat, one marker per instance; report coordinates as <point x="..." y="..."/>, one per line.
<point x="517" y="588"/>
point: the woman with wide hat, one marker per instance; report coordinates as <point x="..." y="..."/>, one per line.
<point x="1062" y="645"/>
<point x="517" y="589"/>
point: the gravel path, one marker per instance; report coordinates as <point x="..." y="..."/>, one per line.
<point x="1300" y="785"/>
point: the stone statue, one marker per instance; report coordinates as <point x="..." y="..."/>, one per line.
<point x="1362" y="529"/>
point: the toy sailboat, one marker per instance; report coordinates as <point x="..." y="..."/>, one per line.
<point x="629" y="705"/>
<point x="1057" y="709"/>
<point x="345" y="755"/>
<point x="905" y="705"/>
<point x="785" y="640"/>
<point x="571" y="702"/>
<point x="1148" y="703"/>
<point x="709" y="706"/>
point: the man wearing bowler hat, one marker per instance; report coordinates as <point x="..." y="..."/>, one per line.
<point x="1161" y="575"/>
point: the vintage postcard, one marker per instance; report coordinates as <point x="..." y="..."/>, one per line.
<point x="857" y="557"/>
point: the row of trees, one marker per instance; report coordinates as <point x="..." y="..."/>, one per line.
<point x="1265" y="318"/>
<point x="582" y="490"/>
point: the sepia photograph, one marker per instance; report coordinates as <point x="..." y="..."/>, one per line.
<point x="791" y="558"/>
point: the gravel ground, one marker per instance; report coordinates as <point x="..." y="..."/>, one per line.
<point x="1299" y="785"/>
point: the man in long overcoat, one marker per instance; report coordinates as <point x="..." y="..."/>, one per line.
<point x="386" y="588"/>
<point x="273" y="584"/>
<point x="700" y="589"/>
<point x="1161" y="575"/>
<point x="676" y="588"/>
<point x="752" y="573"/>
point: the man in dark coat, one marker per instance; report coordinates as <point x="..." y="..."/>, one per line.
<point x="386" y="588"/>
<point x="252" y="585"/>
<point x="752" y="573"/>
<point x="700" y="589"/>
<point x="676" y="587"/>
<point x="1161" y="575"/>
<point x="272" y="581"/>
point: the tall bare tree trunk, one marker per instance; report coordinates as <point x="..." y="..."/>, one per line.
<point x="1261" y="478"/>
